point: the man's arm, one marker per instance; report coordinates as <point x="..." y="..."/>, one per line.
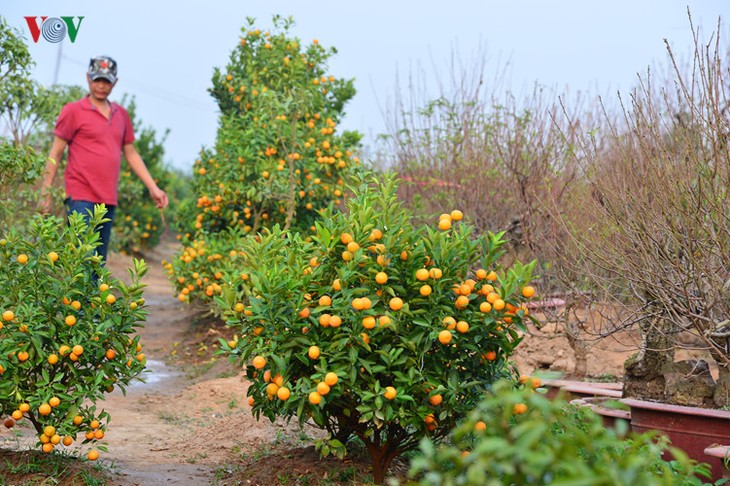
<point x="138" y="167"/>
<point x="54" y="157"/>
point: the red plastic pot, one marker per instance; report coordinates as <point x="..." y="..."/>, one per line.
<point x="691" y="429"/>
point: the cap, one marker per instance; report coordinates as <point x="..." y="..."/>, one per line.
<point x="103" y="67"/>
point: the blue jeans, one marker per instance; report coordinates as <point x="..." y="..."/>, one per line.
<point x="86" y="208"/>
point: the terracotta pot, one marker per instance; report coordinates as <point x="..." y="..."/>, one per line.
<point x="691" y="429"/>
<point x="582" y="389"/>
<point x="613" y="417"/>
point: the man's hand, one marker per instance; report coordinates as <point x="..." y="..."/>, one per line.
<point x="160" y="197"/>
<point x="45" y="205"/>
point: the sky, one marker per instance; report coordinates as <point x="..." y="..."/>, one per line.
<point x="167" y="51"/>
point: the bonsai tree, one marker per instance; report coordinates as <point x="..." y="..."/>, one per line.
<point x="650" y="230"/>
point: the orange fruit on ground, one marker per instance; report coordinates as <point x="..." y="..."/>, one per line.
<point x="480" y="426"/>
<point x="313" y="352"/>
<point x="331" y="378"/>
<point x="323" y="388"/>
<point x="44" y="409"/>
<point x="9" y="423"/>
<point x="8" y="315"/>
<point x="22" y="258"/>
<point x="445" y="336"/>
<point x="381" y="278"/>
<point x="528" y="291"/>
<point x="390" y="392"/>
<point x="93" y="454"/>
<point x="396" y="303"/>
<point x="259" y="362"/>
<point x="315" y="398"/>
<point x="519" y="408"/>
<point x="435" y="400"/>
<point x="283" y="393"/>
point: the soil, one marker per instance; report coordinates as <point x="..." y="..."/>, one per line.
<point x="190" y="423"/>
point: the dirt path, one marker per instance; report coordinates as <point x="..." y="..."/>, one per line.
<point x="171" y="430"/>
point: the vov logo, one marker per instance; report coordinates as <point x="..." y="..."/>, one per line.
<point x="53" y="29"/>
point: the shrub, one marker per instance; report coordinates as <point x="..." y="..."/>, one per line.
<point x="521" y="437"/>
<point x="67" y="333"/>
<point x="376" y="328"/>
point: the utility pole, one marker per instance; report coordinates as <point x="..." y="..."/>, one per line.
<point x="58" y="63"/>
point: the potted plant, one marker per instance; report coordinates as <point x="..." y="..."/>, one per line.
<point x="648" y="231"/>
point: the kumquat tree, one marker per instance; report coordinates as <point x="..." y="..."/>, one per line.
<point x="376" y="328"/>
<point x="67" y="330"/>
<point x="278" y="159"/>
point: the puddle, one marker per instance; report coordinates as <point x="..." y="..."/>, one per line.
<point x="156" y="375"/>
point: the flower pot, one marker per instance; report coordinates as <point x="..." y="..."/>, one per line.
<point x="613" y="417"/>
<point x="691" y="429"/>
<point x="582" y="389"/>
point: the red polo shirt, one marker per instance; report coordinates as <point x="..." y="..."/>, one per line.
<point x="94" y="150"/>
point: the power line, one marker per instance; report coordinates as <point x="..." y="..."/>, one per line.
<point x="164" y="94"/>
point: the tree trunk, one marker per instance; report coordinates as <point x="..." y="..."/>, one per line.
<point x="644" y="376"/>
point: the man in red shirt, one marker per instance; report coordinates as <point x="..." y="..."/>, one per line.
<point x="97" y="132"/>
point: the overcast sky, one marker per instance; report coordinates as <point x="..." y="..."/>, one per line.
<point x="167" y="51"/>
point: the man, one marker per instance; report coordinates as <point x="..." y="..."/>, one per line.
<point x="97" y="132"/>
